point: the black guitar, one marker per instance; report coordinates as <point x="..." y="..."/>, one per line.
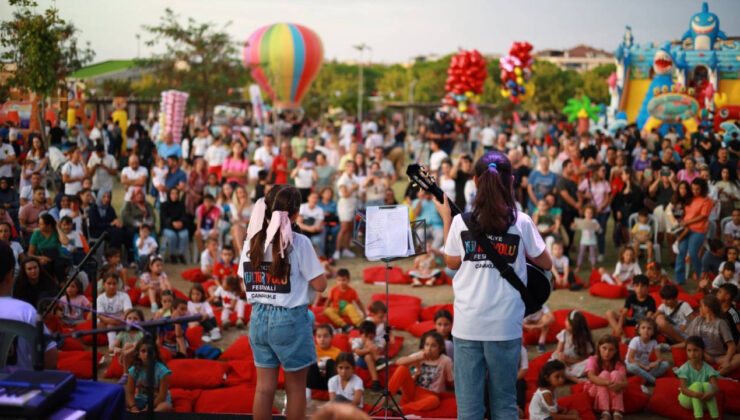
<point x="538" y="287"/>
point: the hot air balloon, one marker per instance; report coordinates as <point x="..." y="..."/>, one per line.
<point x="284" y="58"/>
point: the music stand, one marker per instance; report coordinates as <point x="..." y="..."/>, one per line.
<point x="418" y="235"/>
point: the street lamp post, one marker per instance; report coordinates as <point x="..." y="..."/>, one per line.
<point x="138" y="45"/>
<point x="361" y="48"/>
<point x="410" y="124"/>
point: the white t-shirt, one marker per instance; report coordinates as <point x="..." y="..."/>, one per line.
<point x="732" y="229"/>
<point x="345" y="134"/>
<point x="200" y="145"/>
<point x="311" y="213"/>
<point x="147" y="247"/>
<point x="17" y="251"/>
<point x="487" y="136"/>
<point x="18" y="310"/>
<point x="226" y="296"/>
<point x="487" y="307"/>
<point x="27" y="193"/>
<point x="682" y="315"/>
<point x="436" y="158"/>
<point x="74" y="171"/>
<point x="736" y="277"/>
<point x="201" y="308"/>
<point x="348" y="392"/>
<point x="133" y="175"/>
<point x="304" y="266"/>
<point x="102" y="180"/>
<point x="537" y="315"/>
<point x="627" y="271"/>
<point x="642" y="350"/>
<point x="720" y="280"/>
<point x="262" y="154"/>
<point x="560" y="263"/>
<point x="6" y="169"/>
<point x="373" y="141"/>
<point x="216" y="155"/>
<point x="538" y="407"/>
<point x="304" y="178"/>
<point x="116" y="305"/>
<point x="206" y="260"/>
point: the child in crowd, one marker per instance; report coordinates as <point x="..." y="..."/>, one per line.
<point x="341" y="300"/>
<point x="72" y="302"/>
<point x="727" y="295"/>
<point x="77" y="246"/>
<point x="641" y="346"/>
<point x="125" y="342"/>
<point x="673" y="315"/>
<point x="642" y="234"/>
<point x="726" y="276"/>
<point x="443" y="325"/>
<point x="731" y="255"/>
<point x="154" y="281"/>
<point x="425" y="269"/>
<point x="699" y="386"/>
<point x="639" y="304"/>
<point x="656" y="276"/>
<point x="575" y="345"/>
<point x="208" y="259"/>
<point x="627" y="268"/>
<point x="198" y="305"/>
<point x="207" y="216"/>
<point x="588" y="239"/>
<point x="376" y="313"/>
<point x="113" y="257"/>
<point x="711" y="326"/>
<point x="540" y="320"/>
<point x="547" y="224"/>
<point x="212" y="187"/>
<point x="607" y="379"/>
<point x="561" y="273"/>
<point x="226" y="266"/>
<point x="345" y="386"/>
<point x="732" y="229"/>
<point x="521" y="383"/>
<point x="544" y="405"/>
<point x="73" y="212"/>
<point x="159" y="174"/>
<point x="167" y="299"/>
<point x="112" y="304"/>
<point x="423" y="375"/>
<point x="137" y="386"/>
<point x="326" y="355"/>
<point x="367" y="353"/>
<point x="145" y="246"/>
<point x="172" y="336"/>
<point x="230" y="295"/>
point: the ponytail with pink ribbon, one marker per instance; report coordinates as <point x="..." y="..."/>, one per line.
<point x="279" y="222"/>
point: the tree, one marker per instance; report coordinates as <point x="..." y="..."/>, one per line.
<point x="44" y="49"/>
<point x="594" y="83"/>
<point x="199" y="59"/>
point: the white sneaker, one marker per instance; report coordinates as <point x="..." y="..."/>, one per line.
<point x="335" y="256"/>
<point x="308" y="395"/>
<point x="674" y="248"/>
<point x="348" y="254"/>
<point x="206" y="338"/>
<point x="215" y="334"/>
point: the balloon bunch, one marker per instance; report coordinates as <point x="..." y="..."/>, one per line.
<point x="465" y="79"/>
<point x="516" y="72"/>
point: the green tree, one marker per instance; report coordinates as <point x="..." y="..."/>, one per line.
<point x="594" y="83"/>
<point x="43" y="47"/>
<point x="199" y="59"/>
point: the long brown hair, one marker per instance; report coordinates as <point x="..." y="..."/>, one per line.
<point x="608" y="339"/>
<point x="280" y="198"/>
<point x="493" y="207"/>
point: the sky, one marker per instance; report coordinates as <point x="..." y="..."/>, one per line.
<point x="398" y="30"/>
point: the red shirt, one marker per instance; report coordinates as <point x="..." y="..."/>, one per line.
<point x="221" y="270"/>
<point x="348" y="296"/>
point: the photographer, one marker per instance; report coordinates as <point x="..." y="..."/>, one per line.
<point x="305" y="176"/>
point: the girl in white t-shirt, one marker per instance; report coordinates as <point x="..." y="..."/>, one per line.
<point x="345" y="386"/>
<point x="626" y="269"/>
<point x="198" y="305"/>
<point x="640" y="348"/>
<point x="575" y="345"/>
<point x="281" y="275"/>
<point x="154" y="280"/>
<point x="544" y="405"/>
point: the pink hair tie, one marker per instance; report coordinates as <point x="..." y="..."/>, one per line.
<point x="279" y="222"/>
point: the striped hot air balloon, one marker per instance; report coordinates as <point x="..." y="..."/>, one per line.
<point x="284" y="58"/>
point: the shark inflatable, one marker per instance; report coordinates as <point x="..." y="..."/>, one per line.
<point x="704" y="29"/>
<point x="663" y="65"/>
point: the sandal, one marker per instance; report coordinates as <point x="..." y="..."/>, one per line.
<point x="605" y="416"/>
<point x="617" y="416"/>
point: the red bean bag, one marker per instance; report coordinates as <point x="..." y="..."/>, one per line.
<point x="731" y="391"/>
<point x="341" y="341"/>
<point x="579" y="402"/>
<point x="447" y="408"/>
<point x="87" y="339"/>
<point x="594" y="277"/>
<point x="634" y="399"/>
<point x="427" y="314"/>
<point x="594" y="321"/>
<point x="608" y="291"/>
<point x="395" y="346"/>
<point x="179" y="294"/>
<point x="403" y="310"/>
<point x="194" y="275"/>
<point x="72" y="344"/>
<point x="236" y="399"/>
<point x="532" y="337"/>
<point x="238" y="350"/>
<point x="183" y="400"/>
<point x="376" y="275"/>
<point x="364" y="374"/>
<point x="567" y="286"/>
<point x="420" y="328"/>
<point x="79" y="363"/>
<point x="664" y="400"/>
<point x="197" y="373"/>
<point x="115" y="370"/>
<point x="321" y="318"/>
<point x="691" y="300"/>
<point x="194" y="335"/>
<point x="320" y="395"/>
<point x="134" y="294"/>
<point x="241" y="372"/>
<point x="143" y="300"/>
<point x="207" y="284"/>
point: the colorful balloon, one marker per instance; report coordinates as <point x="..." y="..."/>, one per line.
<point x="284" y="58"/>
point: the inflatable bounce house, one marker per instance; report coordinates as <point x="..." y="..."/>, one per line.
<point x="683" y="84"/>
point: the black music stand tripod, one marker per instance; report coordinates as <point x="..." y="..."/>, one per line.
<point x="418" y="232"/>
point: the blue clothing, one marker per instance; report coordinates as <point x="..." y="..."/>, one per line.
<point x="165" y="150"/>
<point x="330" y="207"/>
<point x="429" y="213"/>
<point x="542" y="184"/>
<point x="174" y="179"/>
<point x="281" y="337"/>
<point x="139" y="376"/>
<point x="691" y="245"/>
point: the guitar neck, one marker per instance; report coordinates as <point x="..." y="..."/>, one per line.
<point x="440" y="195"/>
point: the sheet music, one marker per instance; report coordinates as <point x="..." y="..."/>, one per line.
<point x="387" y="232"/>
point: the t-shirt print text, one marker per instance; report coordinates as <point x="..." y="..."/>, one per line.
<point x="258" y="279"/>
<point x="506" y="246"/>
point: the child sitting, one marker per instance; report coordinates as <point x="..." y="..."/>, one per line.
<point x="145" y="246"/>
<point x="137" y="386"/>
<point x="376" y="313"/>
<point x="588" y="239"/>
<point x="326" y="355"/>
<point x="167" y="299"/>
<point x="111" y="306"/>
<point x="153" y="281"/>
<point x="673" y="315"/>
<point x="423" y="375"/>
<point x="656" y="276"/>
<point x="639" y="304"/>
<point x="207" y="216"/>
<point x="199" y="306"/>
<point x="77" y="246"/>
<point x="345" y="386"/>
<point x="73" y="303"/>
<point x="125" y="342"/>
<point x="726" y="276"/>
<point x="544" y="405"/>
<point x="159" y="175"/>
<point x="443" y="325"/>
<point x="575" y="345"/>
<point x="711" y="326"/>
<point x="172" y="336"/>
<point x="540" y="320"/>
<point x="731" y="255"/>
<point x="727" y="295"/>
<point x="547" y="224"/>
<point x="341" y="302"/>
<point x="699" y="386"/>
<point x="425" y="269"/>
<point x="639" y="350"/>
<point x="627" y="268"/>
<point x="226" y="266"/>
<point x="642" y="234"/>
<point x="208" y="257"/>
<point x="113" y="257"/>
<point x="731" y="230"/>
<point x="230" y="295"/>
<point x="561" y="273"/>
<point x="367" y="353"/>
<point x="607" y="379"/>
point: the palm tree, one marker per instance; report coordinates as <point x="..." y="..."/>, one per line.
<point x="583" y="110"/>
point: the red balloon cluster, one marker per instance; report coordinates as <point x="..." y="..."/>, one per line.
<point x="467" y="73"/>
<point x="516" y="70"/>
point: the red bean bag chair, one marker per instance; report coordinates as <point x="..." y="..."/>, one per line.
<point x="608" y="291"/>
<point x="79" y="363"/>
<point x="731" y="391"/>
<point x="420" y="328"/>
<point x="87" y="339"/>
<point x="238" y="350"/>
<point x="179" y="294"/>
<point x="664" y="401"/>
<point x="236" y="399"/>
<point x="183" y="400"/>
<point x="691" y="300"/>
<point x="376" y="275"/>
<point x="319" y="395"/>
<point x="197" y="373"/>
<point x="427" y="314"/>
<point x="241" y="372"/>
<point x="594" y="277"/>
<point x="72" y="344"/>
<point x="207" y="284"/>
<point x="579" y="402"/>
<point x="364" y="374"/>
<point x="594" y="321"/>
<point x="567" y="286"/>
<point x="194" y="275"/>
<point x="320" y="317"/>
<point x="115" y="370"/>
<point x="134" y="294"/>
<point x="395" y="346"/>
<point x="144" y="301"/>
<point x="447" y="408"/>
<point x="532" y="337"/>
<point x="403" y="310"/>
<point x="194" y="335"/>
<point x="341" y="341"/>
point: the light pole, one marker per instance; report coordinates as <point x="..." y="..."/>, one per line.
<point x="138" y="45"/>
<point x="361" y="48"/>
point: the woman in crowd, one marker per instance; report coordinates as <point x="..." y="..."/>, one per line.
<point x="241" y="210"/>
<point x="45" y="245"/>
<point x="627" y="201"/>
<point x="135" y="213"/>
<point x="348" y="186"/>
<point x="375" y="186"/>
<point x="196" y="182"/>
<point x="33" y="283"/>
<point x="729" y="193"/>
<point x="38" y="155"/>
<point x="235" y="167"/>
<point x="103" y="218"/>
<point x="173" y="218"/>
<point x="596" y="190"/>
<point x="696" y="220"/>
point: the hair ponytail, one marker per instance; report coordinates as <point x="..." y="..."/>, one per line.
<point x="280" y="198"/>
<point x="493" y="208"/>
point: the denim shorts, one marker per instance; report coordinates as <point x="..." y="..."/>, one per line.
<point x="281" y="337"/>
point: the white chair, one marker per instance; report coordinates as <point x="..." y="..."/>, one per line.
<point x="631" y="221"/>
